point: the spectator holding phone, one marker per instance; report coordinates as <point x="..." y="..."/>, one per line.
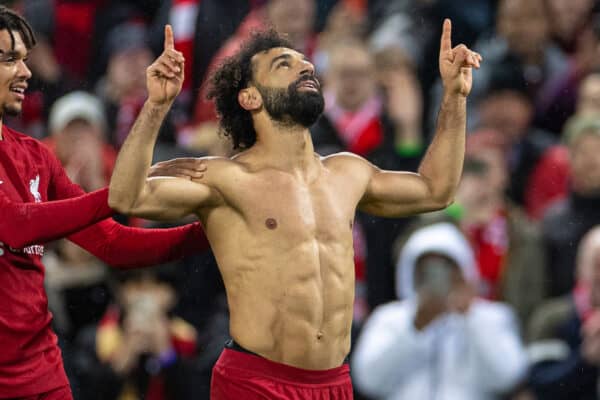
<point x="440" y="341"/>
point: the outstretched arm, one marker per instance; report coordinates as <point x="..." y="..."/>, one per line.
<point x="23" y="224"/>
<point x="122" y="246"/>
<point x="156" y="198"/>
<point x="393" y="194"/>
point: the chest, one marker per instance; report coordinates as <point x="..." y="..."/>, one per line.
<point x="23" y="173"/>
<point x="284" y="206"/>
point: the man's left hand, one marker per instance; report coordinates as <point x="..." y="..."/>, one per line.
<point x="456" y="63"/>
<point x="187" y="167"/>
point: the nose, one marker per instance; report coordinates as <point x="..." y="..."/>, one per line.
<point x="24" y="71"/>
<point x="307" y="68"/>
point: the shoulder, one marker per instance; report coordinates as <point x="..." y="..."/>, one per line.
<point x="220" y="165"/>
<point x="33" y="146"/>
<point x="223" y="172"/>
<point x="23" y="138"/>
<point x="346" y="160"/>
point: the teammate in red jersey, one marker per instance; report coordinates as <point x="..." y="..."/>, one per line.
<point x="39" y="203"/>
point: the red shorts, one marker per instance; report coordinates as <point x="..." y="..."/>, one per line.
<point x="239" y="375"/>
<point x="62" y="393"/>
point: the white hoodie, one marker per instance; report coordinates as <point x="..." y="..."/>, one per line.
<point x="456" y="357"/>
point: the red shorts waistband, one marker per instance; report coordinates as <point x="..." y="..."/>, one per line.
<point x="257" y="364"/>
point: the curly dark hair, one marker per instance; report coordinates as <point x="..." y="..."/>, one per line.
<point x="233" y="75"/>
<point x="11" y="21"/>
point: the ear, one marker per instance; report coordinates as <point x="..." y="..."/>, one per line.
<point x="250" y="99"/>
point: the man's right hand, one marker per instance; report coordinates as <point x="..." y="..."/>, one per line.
<point x="164" y="78"/>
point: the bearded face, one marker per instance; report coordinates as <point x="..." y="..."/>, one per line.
<point x="300" y="104"/>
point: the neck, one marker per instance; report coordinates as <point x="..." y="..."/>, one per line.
<point x="288" y="147"/>
<point x="1" y="126"/>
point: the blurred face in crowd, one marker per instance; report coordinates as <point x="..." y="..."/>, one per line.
<point x="585" y="164"/>
<point x="484" y="179"/>
<point x="295" y="18"/>
<point x="568" y="16"/>
<point x="127" y="70"/>
<point x="345" y="22"/>
<point x="77" y="133"/>
<point x="437" y="274"/>
<point x="14" y="73"/>
<point x="524" y="25"/>
<point x="147" y="295"/>
<point x="588" y="101"/>
<point x="508" y="112"/>
<point x="351" y="76"/>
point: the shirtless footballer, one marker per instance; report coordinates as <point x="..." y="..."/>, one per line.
<point x="278" y="216"/>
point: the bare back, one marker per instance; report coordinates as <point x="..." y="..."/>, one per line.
<point x="284" y="248"/>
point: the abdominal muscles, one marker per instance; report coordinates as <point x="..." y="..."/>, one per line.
<point x="293" y="305"/>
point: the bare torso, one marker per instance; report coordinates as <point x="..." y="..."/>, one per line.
<point x="283" y="243"/>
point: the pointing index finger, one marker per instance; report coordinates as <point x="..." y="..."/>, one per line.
<point x="169" y="41"/>
<point x="446" y="40"/>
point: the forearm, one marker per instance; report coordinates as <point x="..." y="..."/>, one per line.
<point x="23" y="224"/>
<point x="125" y="247"/>
<point x="442" y="164"/>
<point x="135" y="157"/>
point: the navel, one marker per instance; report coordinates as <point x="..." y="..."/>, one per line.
<point x="271" y="223"/>
<point x="351" y="223"/>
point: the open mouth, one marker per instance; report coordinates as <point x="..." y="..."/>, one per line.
<point x="19" y="90"/>
<point x="310" y="84"/>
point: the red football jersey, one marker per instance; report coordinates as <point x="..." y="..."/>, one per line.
<point x="30" y="360"/>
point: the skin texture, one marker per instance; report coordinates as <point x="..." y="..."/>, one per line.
<point x="278" y="216"/>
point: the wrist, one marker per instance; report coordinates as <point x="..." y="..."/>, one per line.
<point x="158" y="105"/>
<point x="450" y="94"/>
<point x="453" y="95"/>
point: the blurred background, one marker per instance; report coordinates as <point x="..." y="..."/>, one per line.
<point x="522" y="322"/>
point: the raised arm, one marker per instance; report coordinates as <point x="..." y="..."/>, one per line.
<point x="394" y="194"/>
<point x="156" y="198"/>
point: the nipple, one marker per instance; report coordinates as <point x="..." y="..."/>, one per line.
<point x="271" y="223"/>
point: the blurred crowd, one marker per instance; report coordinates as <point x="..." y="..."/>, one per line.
<point x="496" y="297"/>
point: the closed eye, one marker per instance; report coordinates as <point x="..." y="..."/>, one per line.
<point x="283" y="64"/>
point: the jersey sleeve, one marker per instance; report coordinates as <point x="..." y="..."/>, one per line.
<point x="23" y="224"/>
<point x="122" y="246"/>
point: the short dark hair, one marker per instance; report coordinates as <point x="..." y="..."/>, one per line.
<point x="233" y="75"/>
<point x="11" y="21"/>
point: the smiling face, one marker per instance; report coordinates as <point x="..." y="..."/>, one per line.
<point x="287" y="85"/>
<point x="14" y="73"/>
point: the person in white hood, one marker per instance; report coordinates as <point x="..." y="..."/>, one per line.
<point x="440" y="342"/>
